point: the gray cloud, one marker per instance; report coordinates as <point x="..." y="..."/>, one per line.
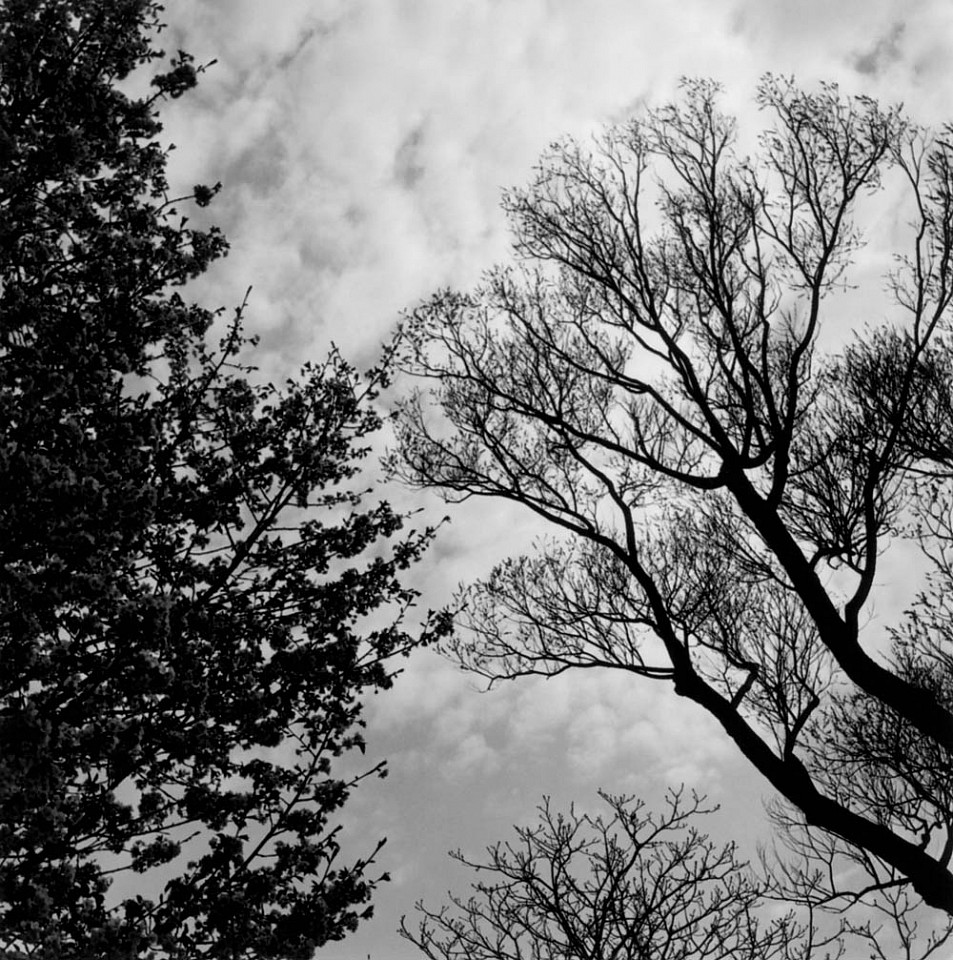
<point x="408" y="161"/>
<point x="884" y="52"/>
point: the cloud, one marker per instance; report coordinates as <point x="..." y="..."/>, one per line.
<point x="619" y="731"/>
<point x="884" y="52"/>
<point x="363" y="146"/>
<point x="435" y="721"/>
<point x="409" y="168"/>
<point x="374" y="142"/>
<point x="594" y="728"/>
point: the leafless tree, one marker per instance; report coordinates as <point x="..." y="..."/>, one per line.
<point x="633" y="886"/>
<point x="666" y="375"/>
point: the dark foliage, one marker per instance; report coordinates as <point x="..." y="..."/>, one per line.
<point x="193" y="598"/>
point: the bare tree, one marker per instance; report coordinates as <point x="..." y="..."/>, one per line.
<point x="633" y="886"/>
<point x="666" y="377"/>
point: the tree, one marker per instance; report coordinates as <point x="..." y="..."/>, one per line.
<point x="662" y="376"/>
<point x="640" y="885"/>
<point x="633" y="886"/>
<point x="195" y="591"/>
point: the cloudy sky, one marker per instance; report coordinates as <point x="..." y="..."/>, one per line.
<point x="363" y="145"/>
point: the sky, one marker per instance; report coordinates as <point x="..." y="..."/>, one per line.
<point x="362" y="146"/>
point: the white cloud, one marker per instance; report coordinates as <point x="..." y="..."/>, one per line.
<point x="314" y="110"/>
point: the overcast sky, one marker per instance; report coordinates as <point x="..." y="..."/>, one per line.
<point x="363" y="145"/>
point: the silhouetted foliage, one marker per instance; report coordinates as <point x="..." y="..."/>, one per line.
<point x="664" y="378"/>
<point x="193" y="596"/>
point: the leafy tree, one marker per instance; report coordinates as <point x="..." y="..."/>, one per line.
<point x="194" y="595"/>
<point x="667" y="377"/>
<point x="633" y="886"/>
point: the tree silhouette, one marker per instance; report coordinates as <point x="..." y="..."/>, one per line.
<point x="664" y="377"/>
<point x="631" y="886"/>
<point x="195" y="591"/>
<point x="643" y="885"/>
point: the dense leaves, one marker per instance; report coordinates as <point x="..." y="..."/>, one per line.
<point x="193" y="594"/>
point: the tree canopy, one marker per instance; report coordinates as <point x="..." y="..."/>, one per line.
<point x="666" y="376"/>
<point x="632" y="885"/>
<point x="196" y="592"/>
<point x="638" y="884"/>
